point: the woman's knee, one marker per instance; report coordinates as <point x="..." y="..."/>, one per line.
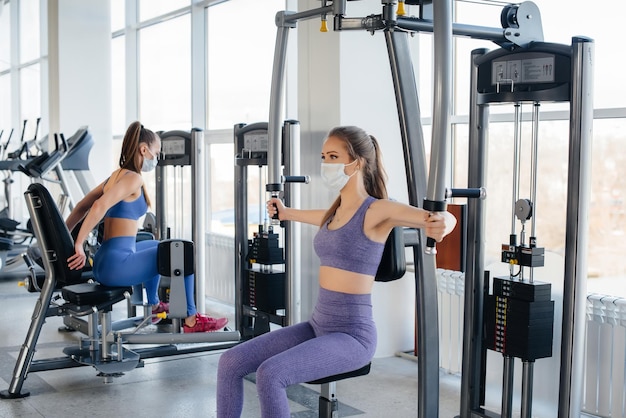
<point x="272" y="374"/>
<point x="235" y="362"/>
<point x="228" y="362"/>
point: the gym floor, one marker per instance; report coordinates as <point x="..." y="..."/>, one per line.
<point x="181" y="386"/>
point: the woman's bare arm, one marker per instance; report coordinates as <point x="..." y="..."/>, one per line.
<point x="307" y="216"/>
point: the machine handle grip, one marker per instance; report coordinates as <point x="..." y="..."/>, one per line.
<point x="275" y="218"/>
<point x="275" y="215"/>
<point x="475" y="193"/>
<point x="274" y="189"/>
<point x="296" y="179"/>
<point x="431" y="248"/>
<point x="63" y="143"/>
<point x="433" y="206"/>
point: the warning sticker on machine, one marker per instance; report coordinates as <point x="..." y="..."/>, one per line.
<point x="527" y="71"/>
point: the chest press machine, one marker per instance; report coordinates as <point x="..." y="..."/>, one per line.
<point x="519" y="28"/>
<point x="412" y="138"/>
<point x="106" y="345"/>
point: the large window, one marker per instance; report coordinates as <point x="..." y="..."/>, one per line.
<point x="20" y="86"/>
<point x="29" y="30"/>
<point x="240" y="61"/>
<point x="239" y="81"/>
<point x="607" y="222"/>
<point x="5" y="105"/>
<point x="118" y="83"/>
<point x="559" y="26"/>
<point x="239" y="47"/>
<point x="165" y="75"/>
<point x="608" y="205"/>
<point x="5" y="35"/>
<point x="26" y="90"/>
<point x="30" y="98"/>
<point x="237" y="75"/>
<point x="118" y="15"/>
<point x="149" y="9"/>
<point x="582" y="19"/>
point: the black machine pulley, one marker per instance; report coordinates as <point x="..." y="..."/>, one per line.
<point x="508" y="17"/>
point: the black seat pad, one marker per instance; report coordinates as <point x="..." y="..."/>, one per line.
<point x="93" y="293"/>
<point x="334" y="378"/>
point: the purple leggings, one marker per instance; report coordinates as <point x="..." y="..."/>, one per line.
<point x="340" y="337"/>
<point x="122" y="261"/>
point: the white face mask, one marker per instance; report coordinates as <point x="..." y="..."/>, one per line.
<point x="334" y="175"/>
<point x="149" y="165"/>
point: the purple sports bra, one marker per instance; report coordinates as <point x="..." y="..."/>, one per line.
<point x="347" y="248"/>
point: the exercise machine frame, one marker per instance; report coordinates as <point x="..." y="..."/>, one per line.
<point x="578" y="91"/>
<point x="428" y="194"/>
<point x="523" y="29"/>
<point x="104" y="348"/>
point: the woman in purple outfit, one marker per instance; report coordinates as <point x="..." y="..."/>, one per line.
<point x="341" y="334"/>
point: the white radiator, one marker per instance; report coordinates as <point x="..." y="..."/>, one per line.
<point x="605" y="357"/>
<point x="450" y="288"/>
<point x="220" y="268"/>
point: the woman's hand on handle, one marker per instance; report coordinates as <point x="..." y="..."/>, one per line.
<point x="439" y="224"/>
<point x="275" y="205"/>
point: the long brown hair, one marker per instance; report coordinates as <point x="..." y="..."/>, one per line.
<point x="130" y="157"/>
<point x="361" y="145"/>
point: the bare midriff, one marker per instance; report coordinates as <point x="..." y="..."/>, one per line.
<point x="344" y="281"/>
<point x="119" y="227"/>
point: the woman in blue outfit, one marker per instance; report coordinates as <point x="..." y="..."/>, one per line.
<point x="341" y="334"/>
<point x="121" y="200"/>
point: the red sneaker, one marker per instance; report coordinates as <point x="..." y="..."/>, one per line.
<point x="206" y="324"/>
<point x="161" y="307"/>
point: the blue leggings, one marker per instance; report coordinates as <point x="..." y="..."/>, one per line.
<point x="340" y="337"/>
<point x="122" y="261"/>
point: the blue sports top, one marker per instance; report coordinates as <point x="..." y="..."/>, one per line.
<point x="347" y="248"/>
<point x="129" y="210"/>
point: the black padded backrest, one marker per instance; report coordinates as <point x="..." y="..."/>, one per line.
<point x="54" y="238"/>
<point x="393" y="264"/>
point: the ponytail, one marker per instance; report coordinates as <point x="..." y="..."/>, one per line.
<point x="378" y="179"/>
<point x="130" y="158"/>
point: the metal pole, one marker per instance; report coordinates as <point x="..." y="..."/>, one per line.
<point x="533" y="182"/>
<point x="63" y="184"/>
<point x="425" y="273"/>
<point x="517" y="139"/>
<point x="489" y="34"/>
<point x="241" y="236"/>
<point x="578" y="192"/>
<point x="527" y="388"/>
<point x="336" y="8"/>
<point x="474" y="273"/>
<point x="507" y="386"/>
<point x="534" y="164"/>
<point x="527" y="28"/>
<point x="159" y="176"/>
<point x="25" y="356"/>
<point x="198" y="213"/>
<point x="516" y="163"/>
<point x="292" y="229"/>
<point x="274" y="151"/>
<point x="442" y="102"/>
